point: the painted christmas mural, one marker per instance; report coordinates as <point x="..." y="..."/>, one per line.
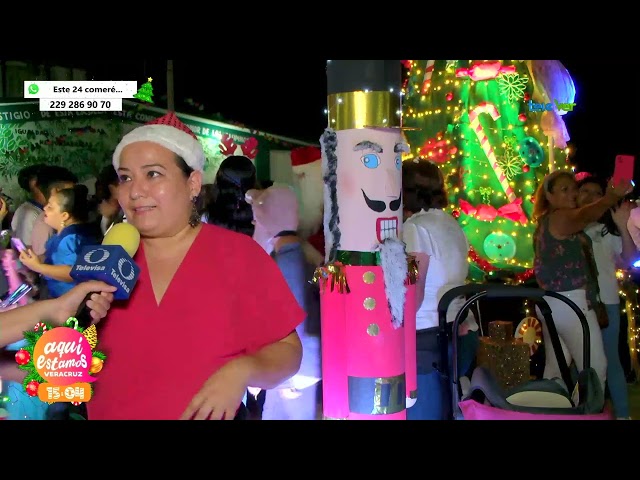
<point x="495" y="128"/>
<point x="83" y="142"/>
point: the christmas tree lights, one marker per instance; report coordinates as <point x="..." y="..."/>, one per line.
<point x="472" y="117"/>
<point x="629" y="298"/>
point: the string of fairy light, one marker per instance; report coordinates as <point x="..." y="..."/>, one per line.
<point x="457" y="108"/>
<point x="526" y="190"/>
<point x="629" y="296"/>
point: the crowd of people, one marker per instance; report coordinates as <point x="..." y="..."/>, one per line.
<point x="224" y="322"/>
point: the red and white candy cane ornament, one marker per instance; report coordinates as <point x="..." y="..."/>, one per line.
<point x="474" y="123"/>
<point x="428" y="72"/>
<point x="39" y="326"/>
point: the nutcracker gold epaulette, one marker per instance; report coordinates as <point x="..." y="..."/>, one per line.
<point x="412" y="274"/>
<point x="334" y="274"/>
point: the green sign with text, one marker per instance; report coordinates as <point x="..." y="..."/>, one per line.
<point x="83" y="142"/>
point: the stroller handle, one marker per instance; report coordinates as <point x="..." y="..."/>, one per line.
<point x="492" y="291"/>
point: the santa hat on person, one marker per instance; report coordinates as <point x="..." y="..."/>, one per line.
<point x="307" y="171"/>
<point x="169" y="132"/>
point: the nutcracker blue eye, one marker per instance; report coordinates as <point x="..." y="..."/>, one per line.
<point x="399" y="162"/>
<point x="370" y="160"/>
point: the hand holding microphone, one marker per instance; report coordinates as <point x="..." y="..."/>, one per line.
<point x="111" y="263"/>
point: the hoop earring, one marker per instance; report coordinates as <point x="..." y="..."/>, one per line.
<point x="194" y="220"/>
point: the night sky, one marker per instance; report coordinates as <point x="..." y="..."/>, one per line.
<point x="287" y="97"/>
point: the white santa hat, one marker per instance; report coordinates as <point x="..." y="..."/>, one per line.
<point x="169" y="132"/>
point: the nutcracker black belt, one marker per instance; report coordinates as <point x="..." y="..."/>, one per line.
<point x="377" y="395"/>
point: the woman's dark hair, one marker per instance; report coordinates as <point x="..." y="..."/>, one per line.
<point x="206" y="197"/>
<point x="54" y="176"/>
<point x="182" y="165"/>
<point x="27" y="174"/>
<point x="608" y="225"/>
<point x="541" y="205"/>
<point x="229" y="209"/>
<point x="423" y="186"/>
<point x="74" y="202"/>
<point x="107" y="176"/>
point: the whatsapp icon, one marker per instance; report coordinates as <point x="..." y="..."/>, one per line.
<point x="33" y="89"/>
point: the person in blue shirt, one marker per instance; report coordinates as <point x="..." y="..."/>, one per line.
<point x="67" y="212"/>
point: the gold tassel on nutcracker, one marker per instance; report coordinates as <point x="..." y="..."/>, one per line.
<point x="367" y="286"/>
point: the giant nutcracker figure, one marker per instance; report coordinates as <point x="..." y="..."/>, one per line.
<point x="367" y="285"/>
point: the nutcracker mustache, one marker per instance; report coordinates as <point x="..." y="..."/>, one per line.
<point x="380" y="205"/>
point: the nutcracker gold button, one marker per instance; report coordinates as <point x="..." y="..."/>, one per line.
<point x="373" y="329"/>
<point x="368" y="277"/>
<point x="369" y="303"/>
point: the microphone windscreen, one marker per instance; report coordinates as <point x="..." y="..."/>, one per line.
<point x="125" y="235"/>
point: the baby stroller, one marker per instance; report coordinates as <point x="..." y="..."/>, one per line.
<point x="546" y="399"/>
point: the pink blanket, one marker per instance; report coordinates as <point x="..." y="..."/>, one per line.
<point x="473" y="410"/>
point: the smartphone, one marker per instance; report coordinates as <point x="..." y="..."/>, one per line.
<point x="623" y="168"/>
<point x="18" y="245"/>
<point x="16" y="295"/>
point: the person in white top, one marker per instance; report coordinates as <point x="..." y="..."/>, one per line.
<point x="26" y="214"/>
<point x="613" y="248"/>
<point x="441" y="249"/>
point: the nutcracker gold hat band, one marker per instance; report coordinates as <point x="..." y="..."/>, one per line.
<point x="364" y="94"/>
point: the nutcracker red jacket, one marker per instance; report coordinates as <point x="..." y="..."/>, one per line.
<point x="227" y="298"/>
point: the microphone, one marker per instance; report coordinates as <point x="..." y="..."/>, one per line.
<point x="111" y="263"/>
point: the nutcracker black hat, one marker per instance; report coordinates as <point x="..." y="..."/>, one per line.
<point x="364" y="94"/>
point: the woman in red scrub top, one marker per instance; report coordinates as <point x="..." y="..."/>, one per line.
<point x="211" y="313"/>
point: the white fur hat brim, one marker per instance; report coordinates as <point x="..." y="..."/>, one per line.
<point x="171" y="138"/>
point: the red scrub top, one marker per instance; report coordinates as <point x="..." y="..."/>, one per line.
<point x="228" y="298"/>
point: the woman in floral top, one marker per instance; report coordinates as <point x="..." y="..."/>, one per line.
<point x="561" y="265"/>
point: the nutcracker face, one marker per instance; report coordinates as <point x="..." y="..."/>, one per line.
<point x="369" y="187"/>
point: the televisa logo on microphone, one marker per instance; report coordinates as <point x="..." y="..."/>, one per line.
<point x="109" y="263"/>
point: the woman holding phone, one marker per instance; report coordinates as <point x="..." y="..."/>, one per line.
<point x="562" y="264"/>
<point x="613" y="248"/>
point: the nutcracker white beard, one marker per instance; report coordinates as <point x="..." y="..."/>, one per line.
<point x="308" y="181"/>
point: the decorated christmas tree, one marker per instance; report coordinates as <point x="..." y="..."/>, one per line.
<point x="495" y="128"/>
<point x="145" y="92"/>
